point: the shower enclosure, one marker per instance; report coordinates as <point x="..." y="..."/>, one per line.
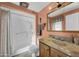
<point x="17" y="32"/>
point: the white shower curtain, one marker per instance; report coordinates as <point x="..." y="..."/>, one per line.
<point x="4" y="38"/>
<point x="22" y="32"/>
<point x="8" y="43"/>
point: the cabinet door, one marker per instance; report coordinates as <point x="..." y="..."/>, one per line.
<point x="44" y="50"/>
<point x="56" y="53"/>
<point x="53" y="53"/>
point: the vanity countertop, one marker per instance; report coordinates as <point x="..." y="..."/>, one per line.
<point x="65" y="47"/>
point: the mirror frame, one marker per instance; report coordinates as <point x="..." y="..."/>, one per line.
<point x="57" y="15"/>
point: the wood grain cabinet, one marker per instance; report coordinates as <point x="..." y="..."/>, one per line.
<point x="47" y="51"/>
<point x="56" y="53"/>
<point x="44" y="50"/>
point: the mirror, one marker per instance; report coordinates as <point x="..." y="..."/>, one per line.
<point x="64" y="19"/>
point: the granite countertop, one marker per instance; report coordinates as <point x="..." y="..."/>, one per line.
<point x="68" y="48"/>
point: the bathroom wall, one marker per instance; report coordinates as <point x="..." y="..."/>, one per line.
<point x="43" y="14"/>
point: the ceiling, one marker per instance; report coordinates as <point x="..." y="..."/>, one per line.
<point x="72" y="6"/>
<point x="35" y="6"/>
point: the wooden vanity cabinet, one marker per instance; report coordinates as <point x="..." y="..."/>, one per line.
<point x="47" y="51"/>
<point x="56" y="53"/>
<point x="44" y="50"/>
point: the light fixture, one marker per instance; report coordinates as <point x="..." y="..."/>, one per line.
<point x="24" y="4"/>
<point x="59" y="5"/>
<point x="50" y="8"/>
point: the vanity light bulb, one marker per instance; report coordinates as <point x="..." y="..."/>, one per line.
<point x="50" y="8"/>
